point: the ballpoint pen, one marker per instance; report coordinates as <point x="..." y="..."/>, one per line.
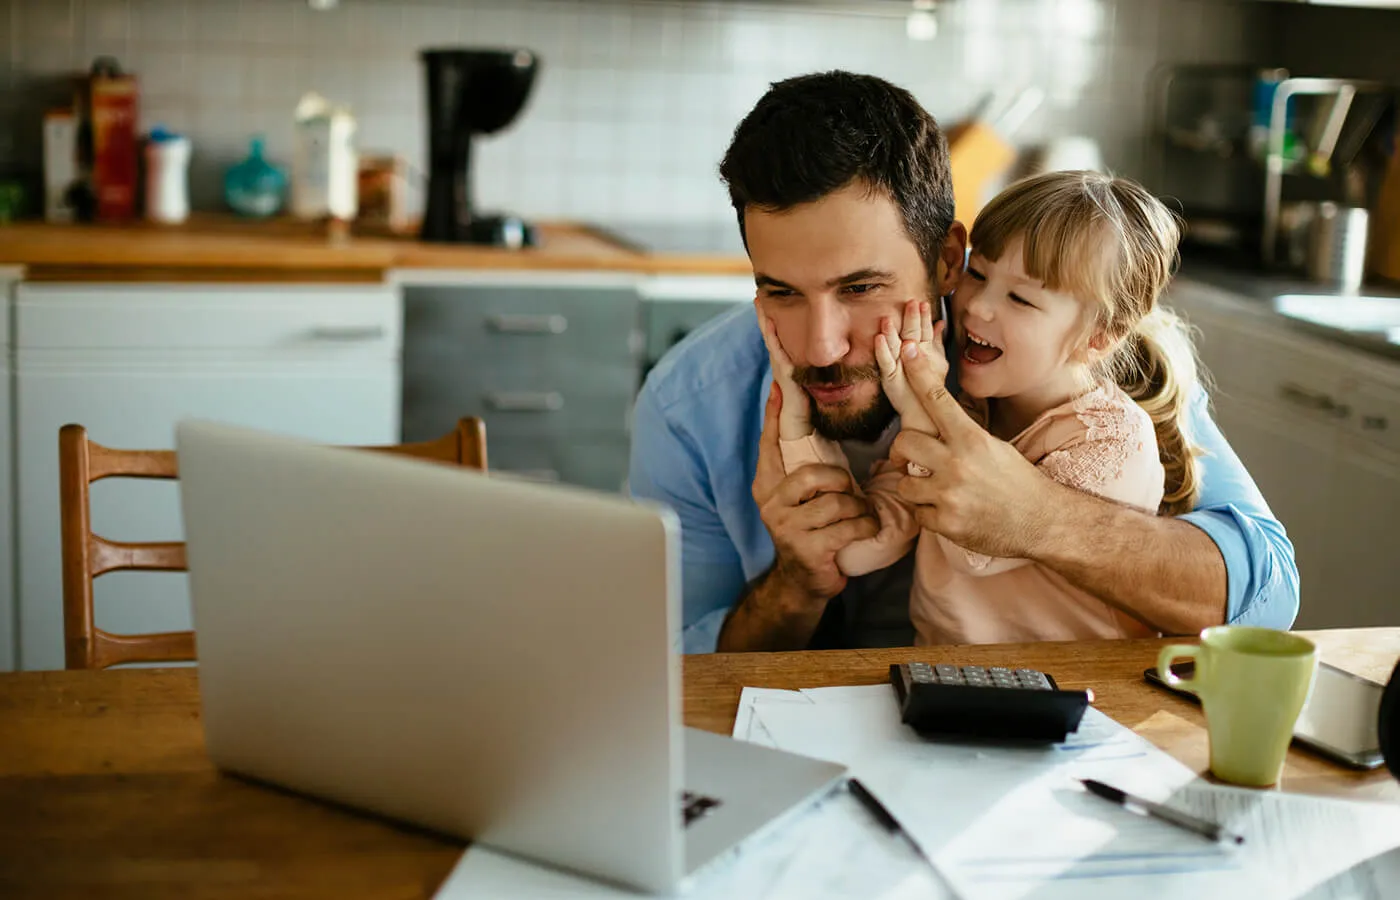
<point x="892" y="825"/>
<point x="1203" y="827"/>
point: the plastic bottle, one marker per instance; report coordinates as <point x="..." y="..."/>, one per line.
<point x="167" y="177"/>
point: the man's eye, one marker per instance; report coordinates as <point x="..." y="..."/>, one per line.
<point x="859" y="288"/>
<point x="976" y="275"/>
<point x="777" y="293"/>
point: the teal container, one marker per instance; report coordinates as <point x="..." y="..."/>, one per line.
<point x="255" y="187"/>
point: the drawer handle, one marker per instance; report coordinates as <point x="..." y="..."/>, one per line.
<point x="527" y="324"/>
<point x="525" y="401"/>
<point x="347" y="333"/>
<point x="1374" y="423"/>
<point x="531" y="474"/>
<point x="1313" y="400"/>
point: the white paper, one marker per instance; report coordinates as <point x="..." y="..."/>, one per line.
<point x="1011" y="822"/>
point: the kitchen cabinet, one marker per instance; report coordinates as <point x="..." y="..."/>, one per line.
<point x="128" y="361"/>
<point x="9" y="640"/>
<point x="1313" y="421"/>
<point x="551" y="361"/>
<point x="550" y="364"/>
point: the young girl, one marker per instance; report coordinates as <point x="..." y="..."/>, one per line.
<point x="1066" y="355"/>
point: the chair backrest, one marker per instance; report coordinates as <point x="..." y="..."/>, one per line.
<point x="87" y="555"/>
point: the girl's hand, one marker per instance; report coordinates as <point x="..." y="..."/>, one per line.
<point x="917" y="327"/>
<point x="795" y="418"/>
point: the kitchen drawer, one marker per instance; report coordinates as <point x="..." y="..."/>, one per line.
<point x="599" y="463"/>
<point x="1375" y="415"/>
<point x="196" y="317"/>
<point x="668" y="322"/>
<point x="492" y="326"/>
<point x="592" y="399"/>
<point x="1250" y="363"/>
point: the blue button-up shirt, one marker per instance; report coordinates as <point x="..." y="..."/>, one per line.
<point x="695" y="448"/>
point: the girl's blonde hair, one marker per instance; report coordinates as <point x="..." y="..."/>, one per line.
<point x="1110" y="242"/>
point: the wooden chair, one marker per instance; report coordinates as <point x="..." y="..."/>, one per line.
<point x="87" y="555"/>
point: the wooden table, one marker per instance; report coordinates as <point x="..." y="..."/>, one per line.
<point x="105" y="789"/>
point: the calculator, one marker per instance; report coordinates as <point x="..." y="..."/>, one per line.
<point x="995" y="702"/>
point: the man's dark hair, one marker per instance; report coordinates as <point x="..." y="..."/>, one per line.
<point x="815" y="134"/>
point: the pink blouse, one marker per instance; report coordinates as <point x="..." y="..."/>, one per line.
<point x="1101" y="442"/>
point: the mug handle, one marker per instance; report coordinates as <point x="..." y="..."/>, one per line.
<point x="1170" y="654"/>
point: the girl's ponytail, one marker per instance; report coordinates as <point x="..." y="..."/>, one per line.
<point x="1156" y="366"/>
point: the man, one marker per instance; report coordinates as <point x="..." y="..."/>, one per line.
<point x="843" y="193"/>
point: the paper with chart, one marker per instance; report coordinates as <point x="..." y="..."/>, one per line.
<point x="1004" y="822"/>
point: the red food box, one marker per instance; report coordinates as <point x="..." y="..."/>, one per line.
<point x="114" y="146"/>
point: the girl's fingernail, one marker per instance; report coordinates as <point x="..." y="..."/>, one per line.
<point x="910" y="350"/>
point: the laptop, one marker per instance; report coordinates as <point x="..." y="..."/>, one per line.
<point x="481" y="656"/>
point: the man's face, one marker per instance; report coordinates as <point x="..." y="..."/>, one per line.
<point x="827" y="273"/>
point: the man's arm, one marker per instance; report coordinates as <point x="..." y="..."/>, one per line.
<point x="1229" y="560"/>
<point x="810" y="514"/>
<point x="667" y="467"/>
<point x="1170" y="573"/>
<point x="1263" y="571"/>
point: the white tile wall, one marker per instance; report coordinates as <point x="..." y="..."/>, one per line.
<point x="636" y="99"/>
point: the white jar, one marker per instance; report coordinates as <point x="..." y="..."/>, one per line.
<point x="167" y="177"/>
<point x="325" y="165"/>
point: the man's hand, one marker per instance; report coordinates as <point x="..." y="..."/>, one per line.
<point x="981" y="493"/>
<point x="810" y="514"/>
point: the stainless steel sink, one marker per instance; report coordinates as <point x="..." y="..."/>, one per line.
<point x="1378" y="317"/>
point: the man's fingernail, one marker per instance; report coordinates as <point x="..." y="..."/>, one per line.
<point x="911" y="350"/>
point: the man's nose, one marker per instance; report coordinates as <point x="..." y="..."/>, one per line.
<point x="828" y="335"/>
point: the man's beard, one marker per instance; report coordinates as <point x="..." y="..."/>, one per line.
<point x="847" y="424"/>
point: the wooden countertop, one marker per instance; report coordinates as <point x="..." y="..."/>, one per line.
<point x="107" y="789"/>
<point x="223" y="248"/>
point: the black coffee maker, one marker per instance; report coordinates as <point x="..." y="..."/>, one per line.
<point x="470" y="92"/>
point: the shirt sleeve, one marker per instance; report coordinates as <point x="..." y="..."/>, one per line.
<point x="1261" y="571"/>
<point x="667" y="467"/>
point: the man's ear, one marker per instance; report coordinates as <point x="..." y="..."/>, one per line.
<point x="951" y="258"/>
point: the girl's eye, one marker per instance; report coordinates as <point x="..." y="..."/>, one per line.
<point x="1022" y="300"/>
<point x="976" y="275"/>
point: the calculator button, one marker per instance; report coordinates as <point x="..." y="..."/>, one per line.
<point x="922" y="676"/>
<point x="974" y="672"/>
<point x="1032" y="679"/>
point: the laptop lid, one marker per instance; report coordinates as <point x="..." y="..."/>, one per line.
<point x="480" y="656"/>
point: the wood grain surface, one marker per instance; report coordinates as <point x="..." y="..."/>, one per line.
<point x="106" y="791"/>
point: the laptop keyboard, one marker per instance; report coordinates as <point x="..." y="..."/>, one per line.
<point x="696" y="806"/>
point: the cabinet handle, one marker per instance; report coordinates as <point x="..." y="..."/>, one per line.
<point x="527" y="324"/>
<point x="525" y="401"/>
<point x="530" y="474"/>
<point x="1313" y="400"/>
<point x="347" y="333"/>
<point x="1374" y="423"/>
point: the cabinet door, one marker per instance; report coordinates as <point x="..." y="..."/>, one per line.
<point x="1293" y="464"/>
<point x="1364" y="545"/>
<point x="137" y="407"/>
<point x="1366" y="538"/>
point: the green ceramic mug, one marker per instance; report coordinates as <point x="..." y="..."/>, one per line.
<point x="1253" y="683"/>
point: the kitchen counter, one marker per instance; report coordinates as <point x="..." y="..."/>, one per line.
<point x="1254" y="293"/>
<point x="220" y="248"/>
